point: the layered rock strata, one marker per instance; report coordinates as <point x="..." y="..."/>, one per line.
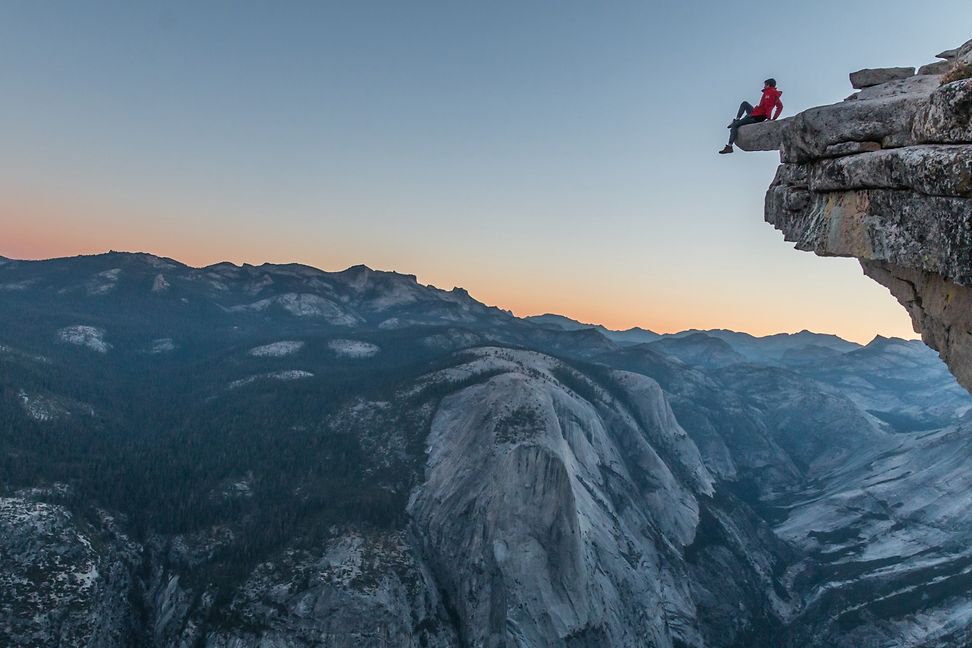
<point x="885" y="176"/>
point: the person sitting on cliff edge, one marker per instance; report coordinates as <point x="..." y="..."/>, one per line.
<point x="767" y="103"/>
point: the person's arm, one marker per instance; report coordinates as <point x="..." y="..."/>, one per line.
<point x="779" y="109"/>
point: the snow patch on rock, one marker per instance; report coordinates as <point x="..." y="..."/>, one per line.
<point x="286" y="375"/>
<point x="17" y="285"/>
<point x="162" y="345"/>
<point x="158" y="262"/>
<point x="276" y="349"/>
<point x="353" y="348"/>
<point x="307" y="305"/>
<point x="399" y="293"/>
<point x="303" y="305"/>
<point x="91" y="337"/>
<point x="39" y="408"/>
<point x="160" y="284"/>
<point x="104" y="282"/>
<point x="87" y="577"/>
<point x="255" y="287"/>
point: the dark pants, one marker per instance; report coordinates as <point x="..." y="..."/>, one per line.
<point x="747" y="109"/>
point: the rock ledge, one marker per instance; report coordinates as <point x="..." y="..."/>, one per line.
<point x="885" y="176"/>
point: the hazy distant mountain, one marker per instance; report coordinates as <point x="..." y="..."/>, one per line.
<point x="699" y="349"/>
<point x="276" y="455"/>
<point x="900" y="381"/>
<point x="635" y="335"/>
<point x="772" y="348"/>
<point x="560" y="322"/>
<point x="808" y="354"/>
<point x="768" y="349"/>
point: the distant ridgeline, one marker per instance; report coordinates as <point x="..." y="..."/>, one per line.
<point x="886" y="176"/>
<point x="273" y="455"/>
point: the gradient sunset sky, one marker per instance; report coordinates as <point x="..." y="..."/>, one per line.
<point x="547" y="156"/>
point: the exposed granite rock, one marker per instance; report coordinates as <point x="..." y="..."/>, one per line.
<point x="955" y="52"/>
<point x="850" y="148"/>
<point x="63" y="580"/>
<point x="886" y="120"/>
<point x="963" y="50"/>
<point x="362" y="590"/>
<point x="920" y="83"/>
<point x="946" y="116"/>
<point x="886" y="177"/>
<point x="871" y="77"/>
<point x="929" y="170"/>
<point x="765" y="136"/>
<point x="938" y="67"/>
<point x="570" y="512"/>
<point x="941" y="310"/>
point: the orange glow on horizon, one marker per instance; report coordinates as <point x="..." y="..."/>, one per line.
<point x="36" y="229"/>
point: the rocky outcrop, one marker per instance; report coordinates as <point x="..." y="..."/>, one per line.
<point x="872" y="77"/>
<point x="571" y="512"/>
<point x="885" y="176"/>
<point x="64" y="578"/>
<point x="766" y="136"/>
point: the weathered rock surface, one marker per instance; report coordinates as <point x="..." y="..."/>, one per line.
<point x="960" y="52"/>
<point x="63" y="580"/>
<point x="570" y="511"/>
<point x="886" y="120"/>
<point x="938" y="67"/>
<point x="850" y="148"/>
<point x="946" y="117"/>
<point x="876" y="76"/>
<point x="765" y="136"/>
<point x="920" y="83"/>
<point x="941" y="309"/>
<point x="886" y="177"/>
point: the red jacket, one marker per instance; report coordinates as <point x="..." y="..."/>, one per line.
<point x="769" y="101"/>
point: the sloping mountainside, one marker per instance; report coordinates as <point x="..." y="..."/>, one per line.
<point x="885" y="176"/>
<point x="280" y="456"/>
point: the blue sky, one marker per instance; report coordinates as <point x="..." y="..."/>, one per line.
<point x="547" y="156"/>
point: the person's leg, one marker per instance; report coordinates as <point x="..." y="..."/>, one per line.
<point x="734" y="129"/>
<point x="745" y="108"/>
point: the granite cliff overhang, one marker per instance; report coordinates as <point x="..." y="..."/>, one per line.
<point x="885" y="176"/>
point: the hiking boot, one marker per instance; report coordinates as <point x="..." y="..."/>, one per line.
<point x="727" y="149"/>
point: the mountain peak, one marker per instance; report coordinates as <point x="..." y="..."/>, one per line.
<point x="227" y="265"/>
<point x="882" y="341"/>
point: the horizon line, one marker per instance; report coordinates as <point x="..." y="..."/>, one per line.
<point x="592" y="325"/>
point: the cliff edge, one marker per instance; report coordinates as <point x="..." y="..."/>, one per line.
<point x="885" y="176"/>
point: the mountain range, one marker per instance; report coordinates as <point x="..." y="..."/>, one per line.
<point x="279" y="456"/>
